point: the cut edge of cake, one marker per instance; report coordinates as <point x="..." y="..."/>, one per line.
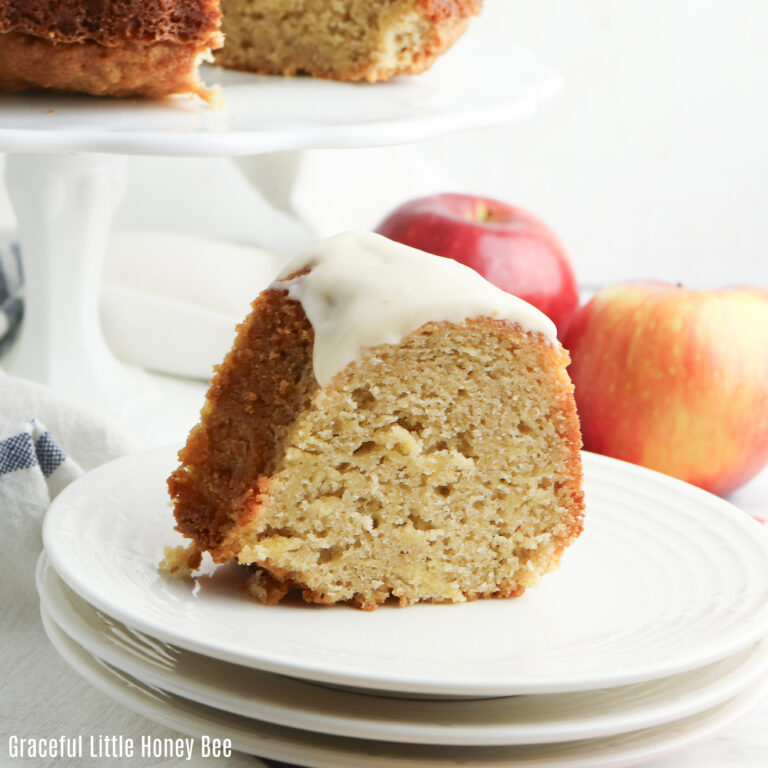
<point x="404" y="37"/>
<point x="266" y="416"/>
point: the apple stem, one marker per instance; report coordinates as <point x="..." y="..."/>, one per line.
<point x="481" y="213"/>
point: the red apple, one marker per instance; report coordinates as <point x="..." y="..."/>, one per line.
<point x="508" y="246"/>
<point x="675" y="380"/>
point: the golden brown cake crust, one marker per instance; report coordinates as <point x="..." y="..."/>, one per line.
<point x="114" y="22"/>
<point x="268" y="374"/>
<point x="149" y="70"/>
<point x="446" y="9"/>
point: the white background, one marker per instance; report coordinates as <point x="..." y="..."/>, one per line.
<point x="652" y="162"/>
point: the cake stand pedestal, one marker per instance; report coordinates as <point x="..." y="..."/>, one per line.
<point x="64" y="206"/>
<point x="66" y="169"/>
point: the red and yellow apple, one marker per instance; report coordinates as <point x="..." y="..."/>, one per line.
<point x="508" y="246"/>
<point x="675" y="380"/>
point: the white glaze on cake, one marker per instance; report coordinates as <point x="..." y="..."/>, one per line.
<point x="364" y="290"/>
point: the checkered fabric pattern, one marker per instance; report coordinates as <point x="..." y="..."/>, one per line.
<point x="11" y="304"/>
<point x="31" y="456"/>
<point x="32" y="448"/>
<point x="34" y="468"/>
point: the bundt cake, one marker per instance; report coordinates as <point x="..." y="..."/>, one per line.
<point x="152" y="48"/>
<point x="342" y="40"/>
<point x="387" y="423"/>
<point x="107" y="47"/>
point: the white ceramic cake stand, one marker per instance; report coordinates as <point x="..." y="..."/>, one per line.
<point x="66" y="168"/>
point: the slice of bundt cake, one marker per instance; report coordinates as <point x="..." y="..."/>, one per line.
<point x="146" y="48"/>
<point x="387" y="424"/>
<point x="342" y="40"/>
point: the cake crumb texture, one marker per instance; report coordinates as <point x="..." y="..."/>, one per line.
<point x="181" y="562"/>
<point x="341" y="39"/>
<point x="445" y="468"/>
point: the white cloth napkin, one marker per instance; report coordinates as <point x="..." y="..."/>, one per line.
<point x="41" y="697"/>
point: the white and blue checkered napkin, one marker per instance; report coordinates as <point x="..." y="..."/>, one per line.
<point x="32" y="451"/>
<point x="46" y="443"/>
<point x="11" y="304"/>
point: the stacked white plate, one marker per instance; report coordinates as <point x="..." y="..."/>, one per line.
<point x="650" y="637"/>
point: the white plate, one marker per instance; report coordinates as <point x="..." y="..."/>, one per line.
<point x="481" y="82"/>
<point x="320" y="751"/>
<point x="665" y="578"/>
<point x="285" y="701"/>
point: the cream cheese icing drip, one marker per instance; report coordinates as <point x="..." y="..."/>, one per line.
<point x="364" y="290"/>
